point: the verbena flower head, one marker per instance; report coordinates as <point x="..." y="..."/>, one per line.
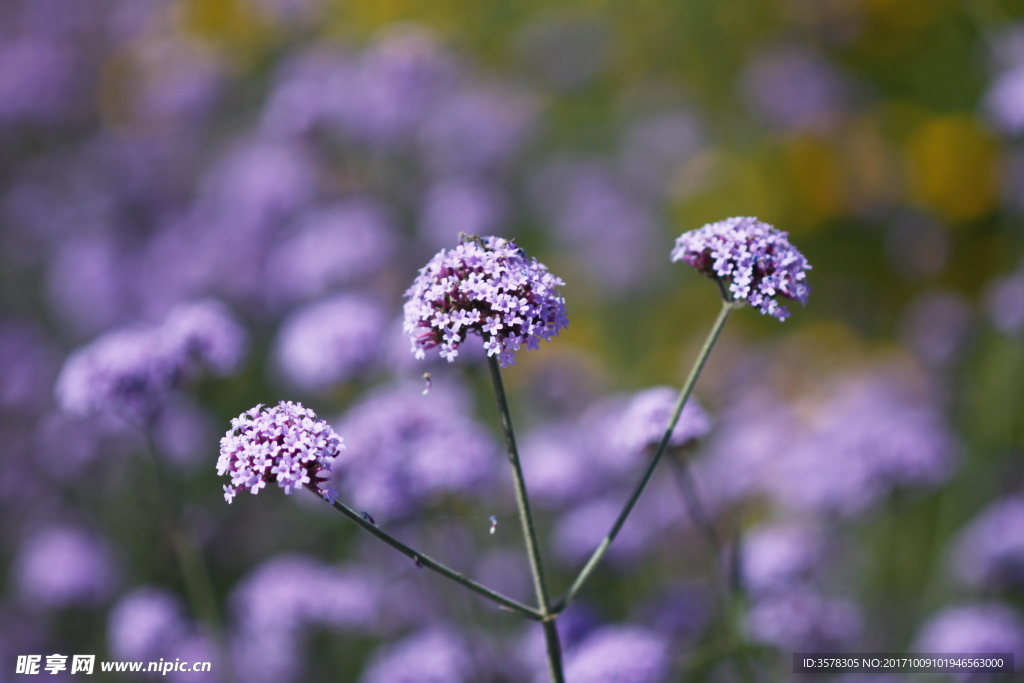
<point x="582" y="527"/>
<point x="206" y="333"/>
<point x="288" y="444"/>
<point x="436" y="654"/>
<point x="982" y="628"/>
<point x="132" y="372"/>
<point x="989" y="552"/>
<point x="144" y="621"/>
<point x="340" y="244"/>
<point x="405" y="449"/>
<point x="1005" y="303"/>
<point x="485" y="286"/>
<point x="792" y="88"/>
<point x="289" y="592"/>
<point x="62" y="566"/>
<point x="123" y="373"/>
<point x="280" y="602"/>
<point x="329" y="341"/>
<point x="755" y="260"/>
<point x="609" y="231"/>
<point x="777" y="557"/>
<point x="840" y="451"/>
<point x="619" y="654"/>
<point x="801" y="618"/>
<point x="644" y="419"/>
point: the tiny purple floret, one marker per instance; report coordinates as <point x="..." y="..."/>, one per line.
<point x="489" y="287"/>
<point x="288" y="444"/>
<point x="755" y="260"/>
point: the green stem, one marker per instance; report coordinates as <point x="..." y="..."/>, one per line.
<point x="695" y="507"/>
<point x="432" y="564"/>
<point x="194" y="572"/>
<point x="554" y="647"/>
<point x="684" y="394"/>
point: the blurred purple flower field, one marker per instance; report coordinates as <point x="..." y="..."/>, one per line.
<point x="207" y="206"/>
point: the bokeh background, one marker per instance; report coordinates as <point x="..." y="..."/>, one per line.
<point x="279" y="169"/>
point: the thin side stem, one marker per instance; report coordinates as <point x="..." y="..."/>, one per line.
<point x="432" y="564"/>
<point x="720" y="575"/>
<point x="526" y="521"/>
<point x="695" y="507"/>
<point x="194" y="572"/>
<point x="684" y="394"/>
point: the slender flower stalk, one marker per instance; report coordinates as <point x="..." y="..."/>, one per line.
<point x="194" y="571"/>
<point x="751" y="262"/>
<point x="725" y="594"/>
<point x="426" y="561"/>
<point x="487" y="286"/>
<point x="289" y="444"/>
<point x="684" y="394"/>
<point x="554" y="648"/>
<point x="698" y="514"/>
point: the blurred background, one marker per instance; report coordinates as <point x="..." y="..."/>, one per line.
<point x="251" y="185"/>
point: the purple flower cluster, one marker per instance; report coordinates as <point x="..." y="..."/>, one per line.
<point x="937" y="327"/>
<point x="288" y="595"/>
<point x="619" y="654"/>
<point x="487" y="287"/>
<point x="476" y="130"/>
<point x="1003" y="100"/>
<point x="610" y="231"/>
<point x="287" y="443"/>
<point x="434" y="655"/>
<point x="990" y="551"/>
<point x="867" y="436"/>
<point x="756" y="261"/>
<point x="779" y="556"/>
<point x="781" y="565"/>
<point x="658" y="514"/>
<point x="838" y="452"/>
<point x="569" y="462"/>
<point x="401" y="74"/>
<point x="206" y="333"/>
<point x="150" y="622"/>
<point x="60" y="566"/>
<point x="130" y="373"/>
<point x="333" y="245"/>
<point x="144" y="621"/>
<point x="1005" y="303"/>
<point x="39" y="80"/>
<point x="329" y="341"/>
<point x="559" y="465"/>
<point x="405" y="449"/>
<point x="656" y="146"/>
<point x="792" y="88"/>
<point x="801" y="618"/>
<point x="460" y="205"/>
<point x="26" y="367"/>
<point x="646" y="416"/>
<point x="982" y="628"/>
<point x="122" y="373"/>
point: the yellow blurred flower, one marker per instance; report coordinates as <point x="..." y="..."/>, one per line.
<point x="951" y="167"/>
